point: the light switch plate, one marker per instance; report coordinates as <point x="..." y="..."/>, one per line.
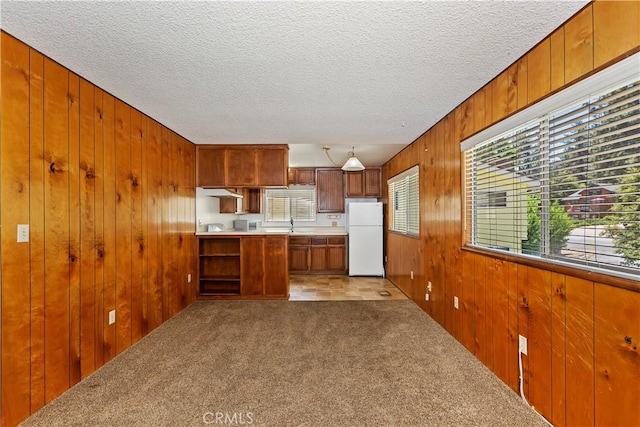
<point x="112" y="317"/>
<point x="23" y="233"/>
<point x="455" y="302"/>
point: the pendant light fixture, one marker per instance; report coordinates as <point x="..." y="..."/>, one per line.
<point x="352" y="163"/>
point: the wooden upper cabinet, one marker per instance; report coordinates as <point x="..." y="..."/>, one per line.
<point x="354" y="184"/>
<point x="373" y="182"/>
<point x="303" y="176"/>
<point x="241" y="166"/>
<point x="329" y="190"/>
<point x="252" y="200"/>
<point x="228" y="205"/>
<point x="366" y="183"/>
<point x="210" y="166"/>
<point x="272" y="165"/>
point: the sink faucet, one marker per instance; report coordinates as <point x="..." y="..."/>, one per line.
<point x="291" y="223"/>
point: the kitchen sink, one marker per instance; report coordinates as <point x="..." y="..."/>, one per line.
<point x="276" y="230"/>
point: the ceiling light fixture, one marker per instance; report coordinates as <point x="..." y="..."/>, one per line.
<point x="353" y="164"/>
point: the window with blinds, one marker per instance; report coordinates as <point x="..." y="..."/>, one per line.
<point x="565" y="186"/>
<point x="283" y="204"/>
<point x="404" y="196"/>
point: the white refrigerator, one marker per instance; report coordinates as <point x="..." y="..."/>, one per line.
<point x="365" y="239"/>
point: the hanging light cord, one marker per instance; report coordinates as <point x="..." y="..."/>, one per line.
<point x="326" y="151"/>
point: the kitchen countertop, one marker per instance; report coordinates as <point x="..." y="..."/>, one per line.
<point x="302" y="231"/>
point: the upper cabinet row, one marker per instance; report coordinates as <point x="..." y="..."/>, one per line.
<point x="333" y="185"/>
<point x="241" y="166"/>
<point x="304" y="176"/>
<point x="251" y="166"/>
<point x="366" y="183"/>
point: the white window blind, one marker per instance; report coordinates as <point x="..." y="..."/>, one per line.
<point x="565" y="187"/>
<point x="284" y="204"/>
<point x="404" y="195"/>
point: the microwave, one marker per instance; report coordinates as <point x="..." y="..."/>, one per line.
<point x="247" y="225"/>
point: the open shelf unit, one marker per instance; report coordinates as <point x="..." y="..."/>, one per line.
<point x="219" y="266"/>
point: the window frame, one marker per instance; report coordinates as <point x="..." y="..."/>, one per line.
<point x="293" y="188"/>
<point x="620" y="74"/>
<point x="407" y="180"/>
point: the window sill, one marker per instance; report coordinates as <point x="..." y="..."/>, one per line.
<point x="594" y="276"/>
<point x="398" y="233"/>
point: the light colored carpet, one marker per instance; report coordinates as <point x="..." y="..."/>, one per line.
<point x="282" y="363"/>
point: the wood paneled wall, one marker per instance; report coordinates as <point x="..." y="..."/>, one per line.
<point x="583" y="360"/>
<point x="109" y="195"/>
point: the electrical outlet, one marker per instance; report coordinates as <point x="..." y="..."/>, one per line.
<point x="334" y="223"/>
<point x="112" y="317"/>
<point x="411" y="274"/>
<point x="455" y="303"/>
<point x="23" y="233"/>
<point x="429" y="286"/>
<point x="189" y="278"/>
<point x="522" y="344"/>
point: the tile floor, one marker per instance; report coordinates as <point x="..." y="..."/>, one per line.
<point x="313" y="287"/>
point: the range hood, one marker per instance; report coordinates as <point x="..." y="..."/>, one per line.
<point x="217" y="192"/>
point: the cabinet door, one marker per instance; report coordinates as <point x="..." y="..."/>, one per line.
<point x="227" y="205"/>
<point x="372" y="182"/>
<point x="292" y="176"/>
<point x="240" y="167"/>
<point x="252" y="265"/>
<point x="337" y="258"/>
<point x="354" y="184"/>
<point x="306" y="176"/>
<point x="329" y="190"/>
<point x="272" y="164"/>
<point x="318" y="258"/>
<point x="210" y="167"/>
<point x="298" y="258"/>
<point x="276" y="269"/>
<point x="252" y="200"/>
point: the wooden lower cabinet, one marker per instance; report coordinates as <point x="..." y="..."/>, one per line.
<point x="318" y="255"/>
<point x="276" y="266"/>
<point x="219" y="266"/>
<point x="319" y="258"/>
<point x="298" y="258"/>
<point x="251" y="267"/>
<point x="337" y="258"/>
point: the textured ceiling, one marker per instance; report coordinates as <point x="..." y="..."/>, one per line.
<point x="315" y="73"/>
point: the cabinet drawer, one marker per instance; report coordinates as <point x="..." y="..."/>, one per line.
<point x="299" y="241"/>
<point x="319" y="241"/>
<point x="339" y="240"/>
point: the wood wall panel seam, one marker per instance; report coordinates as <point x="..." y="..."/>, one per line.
<point x="74" y="226"/>
<point x="36" y="226"/>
